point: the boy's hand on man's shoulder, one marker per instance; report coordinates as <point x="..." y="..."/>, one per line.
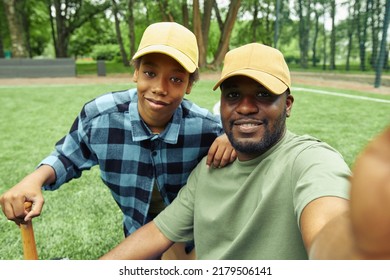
<point x="221" y="152"/>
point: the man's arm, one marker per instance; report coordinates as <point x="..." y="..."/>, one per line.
<point x="332" y="228"/>
<point x="145" y="243"/>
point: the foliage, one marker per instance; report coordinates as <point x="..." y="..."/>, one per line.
<point x="39" y="24"/>
<point x="98" y="31"/>
<point x="105" y="52"/>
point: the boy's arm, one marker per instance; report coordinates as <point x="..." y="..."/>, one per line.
<point x="28" y="189"/>
<point x="221" y="152"/>
<point x="145" y="243"/>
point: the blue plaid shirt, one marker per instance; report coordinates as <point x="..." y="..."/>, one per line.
<point x="110" y="133"/>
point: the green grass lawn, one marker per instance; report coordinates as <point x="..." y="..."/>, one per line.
<point x="81" y="220"/>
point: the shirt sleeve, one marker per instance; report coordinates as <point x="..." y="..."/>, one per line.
<point x="71" y="156"/>
<point x="325" y="174"/>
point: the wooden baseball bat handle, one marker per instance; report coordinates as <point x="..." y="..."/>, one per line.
<point x="27" y="231"/>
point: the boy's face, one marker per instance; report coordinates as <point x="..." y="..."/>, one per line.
<point x="252" y="117"/>
<point x="161" y="85"/>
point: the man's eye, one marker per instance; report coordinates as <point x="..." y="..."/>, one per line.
<point x="264" y="94"/>
<point x="232" y="95"/>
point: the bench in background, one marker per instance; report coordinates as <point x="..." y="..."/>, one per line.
<point x="34" y="68"/>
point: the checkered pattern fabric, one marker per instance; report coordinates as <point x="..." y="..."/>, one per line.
<point x="110" y="133"/>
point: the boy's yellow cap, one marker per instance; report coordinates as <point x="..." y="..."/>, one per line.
<point x="262" y="63"/>
<point x="172" y="39"/>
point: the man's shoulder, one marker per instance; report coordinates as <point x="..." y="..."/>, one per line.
<point x="312" y="146"/>
<point x="192" y="110"/>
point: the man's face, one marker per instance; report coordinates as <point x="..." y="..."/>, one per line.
<point x="253" y="118"/>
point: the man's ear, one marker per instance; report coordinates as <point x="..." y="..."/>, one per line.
<point x="135" y="75"/>
<point x="289" y="104"/>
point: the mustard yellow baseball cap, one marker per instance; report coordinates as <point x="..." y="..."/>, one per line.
<point x="172" y="39"/>
<point x="259" y="62"/>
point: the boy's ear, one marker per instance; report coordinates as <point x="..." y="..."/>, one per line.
<point x="135" y="75"/>
<point x="189" y="88"/>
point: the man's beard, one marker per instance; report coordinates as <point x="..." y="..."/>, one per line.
<point x="268" y="140"/>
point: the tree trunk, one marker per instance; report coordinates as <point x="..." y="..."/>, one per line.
<point x="332" y="64"/>
<point x="61" y="31"/>
<point x="118" y="32"/>
<point x="304" y="25"/>
<point x="69" y="16"/>
<point x="184" y="12"/>
<point x="25" y="12"/>
<point x="375" y="30"/>
<point x="324" y="45"/>
<point x="198" y="33"/>
<point x="131" y="24"/>
<point x="2" y="54"/>
<point x="206" y="22"/>
<point x="11" y="9"/>
<point x="53" y="29"/>
<point x="255" y="22"/>
<point x="267" y="38"/>
<point x="382" y="52"/>
<point x="315" y="36"/>
<point x="218" y="16"/>
<point x="351" y="27"/>
<point x="276" y="26"/>
<point x="362" y="33"/>
<point x="223" y="45"/>
<point x="165" y="12"/>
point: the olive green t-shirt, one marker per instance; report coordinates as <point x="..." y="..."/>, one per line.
<point x="251" y="209"/>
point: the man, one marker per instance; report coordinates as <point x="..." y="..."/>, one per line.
<point x="285" y="197"/>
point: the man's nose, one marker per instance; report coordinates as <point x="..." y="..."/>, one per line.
<point x="247" y="106"/>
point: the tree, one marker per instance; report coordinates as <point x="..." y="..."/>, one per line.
<point x="115" y="12"/>
<point x="206" y="22"/>
<point x="332" y="64"/>
<point x="362" y="19"/>
<point x="130" y="25"/>
<point x="2" y="28"/>
<point x="317" y="14"/>
<point x="351" y="23"/>
<point x="376" y="20"/>
<point x="68" y="16"/>
<point x="223" y="45"/>
<point x="13" y="12"/>
<point x="277" y="23"/>
<point x="382" y="53"/>
<point x="304" y="11"/>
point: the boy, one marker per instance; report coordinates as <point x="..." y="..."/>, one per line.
<point x="146" y="140"/>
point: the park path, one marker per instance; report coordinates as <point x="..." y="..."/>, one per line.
<point x="358" y="82"/>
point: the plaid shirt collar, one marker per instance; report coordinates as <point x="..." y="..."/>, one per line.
<point x="142" y="132"/>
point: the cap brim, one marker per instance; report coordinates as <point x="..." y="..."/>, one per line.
<point x="270" y="82"/>
<point x="177" y="55"/>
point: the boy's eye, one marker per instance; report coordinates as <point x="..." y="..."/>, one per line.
<point x="149" y="74"/>
<point x="176" y="80"/>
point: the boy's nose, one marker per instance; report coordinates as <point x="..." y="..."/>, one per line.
<point x="160" y="87"/>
